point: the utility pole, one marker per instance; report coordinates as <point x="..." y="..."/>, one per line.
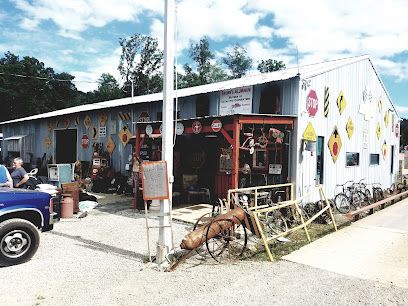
<point x="165" y="235"/>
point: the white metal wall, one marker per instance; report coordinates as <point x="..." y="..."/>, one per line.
<point x="352" y="80"/>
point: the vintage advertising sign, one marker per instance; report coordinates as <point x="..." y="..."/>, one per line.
<point x="102" y="131"/>
<point x="85" y="141"/>
<point x="179" y="128"/>
<point x="216" y="125"/>
<point x="335" y="144"/>
<point x="312" y="103"/>
<point x="47" y="141"/>
<point x="236" y="101"/>
<point x="384" y="149"/>
<point x="144" y="117"/>
<point x="309" y="134"/>
<point x="196" y="127"/>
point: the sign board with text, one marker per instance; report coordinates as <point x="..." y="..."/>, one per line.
<point x="155" y="180"/>
<point x="236" y="101"/>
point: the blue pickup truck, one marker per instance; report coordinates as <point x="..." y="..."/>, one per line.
<point x="22" y="214"/>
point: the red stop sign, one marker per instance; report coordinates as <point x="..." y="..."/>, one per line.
<point x="312" y="103"/>
<point x="85" y="141"/>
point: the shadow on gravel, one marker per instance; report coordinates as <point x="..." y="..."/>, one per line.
<point x="103" y="247"/>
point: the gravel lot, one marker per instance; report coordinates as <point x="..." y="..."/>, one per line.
<point x="101" y="260"/>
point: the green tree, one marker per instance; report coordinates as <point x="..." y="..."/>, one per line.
<point x="203" y="71"/>
<point x="237" y="61"/>
<point x="140" y="63"/>
<point x="27" y="87"/>
<point x="108" y="88"/>
<point x="270" y="65"/>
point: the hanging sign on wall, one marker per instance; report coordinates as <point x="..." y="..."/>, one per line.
<point x="386" y="118"/>
<point x="124" y="135"/>
<point x="102" y="119"/>
<point x="236" y="101"/>
<point x="326" y="101"/>
<point x="102" y="131"/>
<point x="350" y="128"/>
<point x="384" y="149"/>
<point x="335" y="144"/>
<point x="67" y="122"/>
<point x="85" y="141"/>
<point x="378" y="130"/>
<point x="179" y="128"/>
<point x="216" y="125"/>
<point x="87" y="121"/>
<point x="110" y="146"/>
<point x="144" y="117"/>
<point x="196" y="127"/>
<point x="94" y="133"/>
<point x="47" y="141"/>
<point x="312" y="103"/>
<point x="76" y="121"/>
<point x="309" y="134"/>
<point x="341" y="102"/>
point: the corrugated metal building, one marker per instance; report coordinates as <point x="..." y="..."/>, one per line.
<point x="341" y="104"/>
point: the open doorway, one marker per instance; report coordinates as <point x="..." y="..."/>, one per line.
<point x="65" y="146"/>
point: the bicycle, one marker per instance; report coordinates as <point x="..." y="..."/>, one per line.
<point x="350" y="197"/>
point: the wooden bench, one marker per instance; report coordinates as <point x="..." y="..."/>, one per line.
<point x="355" y="214"/>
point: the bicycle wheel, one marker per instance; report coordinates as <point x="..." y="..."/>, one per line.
<point x="202" y="221"/>
<point x="378" y="194"/>
<point x="342" y="203"/>
<point x="367" y="193"/>
<point x="358" y="199"/>
<point x="226" y="239"/>
<point x="275" y="223"/>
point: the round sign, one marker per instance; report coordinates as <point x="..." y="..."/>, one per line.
<point x="85" y="141"/>
<point x="149" y="130"/>
<point x="312" y="103"/>
<point x="216" y="125"/>
<point x="179" y="128"/>
<point x="197" y="127"/>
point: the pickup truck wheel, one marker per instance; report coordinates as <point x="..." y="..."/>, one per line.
<point x="19" y="240"/>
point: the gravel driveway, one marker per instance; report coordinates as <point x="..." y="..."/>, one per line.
<point x="101" y="260"/>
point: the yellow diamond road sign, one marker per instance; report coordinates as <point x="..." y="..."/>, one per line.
<point x="309" y="134"/>
<point x="350" y="128"/>
<point x="386" y="118"/>
<point x="335" y="144"/>
<point x="110" y="146"/>
<point x="378" y="130"/>
<point x="341" y="102"/>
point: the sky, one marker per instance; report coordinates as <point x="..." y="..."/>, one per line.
<point x="81" y="36"/>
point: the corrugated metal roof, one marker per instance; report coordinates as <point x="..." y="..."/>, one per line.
<point x="306" y="71"/>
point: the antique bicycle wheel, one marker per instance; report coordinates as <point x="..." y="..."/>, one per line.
<point x="226" y="240"/>
<point x="342" y="203"/>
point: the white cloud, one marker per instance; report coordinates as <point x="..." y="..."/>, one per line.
<point x="74" y="16"/>
<point x="108" y="64"/>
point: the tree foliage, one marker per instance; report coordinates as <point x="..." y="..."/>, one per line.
<point x="140" y="63"/>
<point x="203" y="71"/>
<point x="27" y="87"/>
<point x="237" y="61"/>
<point x="270" y="65"/>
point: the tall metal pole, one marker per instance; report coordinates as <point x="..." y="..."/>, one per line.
<point x="165" y="235"/>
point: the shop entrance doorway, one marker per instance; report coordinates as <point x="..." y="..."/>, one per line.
<point x="65" y="146"/>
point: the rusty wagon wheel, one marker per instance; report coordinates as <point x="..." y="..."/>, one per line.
<point x="226" y="239"/>
<point x="203" y="221"/>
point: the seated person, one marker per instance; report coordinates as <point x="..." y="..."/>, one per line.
<point x="5" y="178"/>
<point x="19" y="175"/>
